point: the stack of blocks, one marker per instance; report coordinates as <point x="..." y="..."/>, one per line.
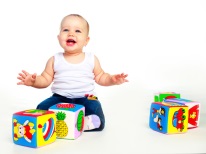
<point x="33" y="128"/>
<point x="70" y="120"/>
<point x="169" y="114"/>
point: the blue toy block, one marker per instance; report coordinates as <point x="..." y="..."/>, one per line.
<point x="33" y="128"/>
<point x="168" y="118"/>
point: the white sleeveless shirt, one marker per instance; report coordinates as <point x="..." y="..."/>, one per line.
<point x="73" y="80"/>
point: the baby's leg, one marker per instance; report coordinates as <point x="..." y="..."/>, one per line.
<point x="94" y="116"/>
<point x="91" y="122"/>
<point x="47" y="103"/>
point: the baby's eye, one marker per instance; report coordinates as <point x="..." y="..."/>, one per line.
<point x="78" y="31"/>
<point x="65" y="30"/>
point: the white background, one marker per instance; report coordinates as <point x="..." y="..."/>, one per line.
<point x="160" y="44"/>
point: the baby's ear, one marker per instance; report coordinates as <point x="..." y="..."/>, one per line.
<point x="87" y="40"/>
<point x="58" y="37"/>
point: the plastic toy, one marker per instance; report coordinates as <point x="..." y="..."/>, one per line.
<point x="159" y="97"/>
<point x="91" y="97"/>
<point x="168" y="118"/>
<point x="194" y="110"/>
<point x="70" y="120"/>
<point x="33" y="128"/>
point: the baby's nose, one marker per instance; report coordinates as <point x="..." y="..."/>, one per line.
<point x="70" y="34"/>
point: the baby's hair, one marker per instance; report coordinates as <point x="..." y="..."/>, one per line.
<point x="79" y="16"/>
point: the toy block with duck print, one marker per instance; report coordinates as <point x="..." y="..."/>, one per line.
<point x="33" y="128"/>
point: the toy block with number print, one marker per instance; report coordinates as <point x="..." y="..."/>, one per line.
<point x="194" y="110"/>
<point x="159" y="97"/>
<point x="33" y="128"/>
<point x="70" y="120"/>
<point x="168" y="118"/>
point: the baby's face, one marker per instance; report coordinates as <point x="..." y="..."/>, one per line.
<point x="73" y="35"/>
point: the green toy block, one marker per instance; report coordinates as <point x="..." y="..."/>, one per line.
<point x="159" y="97"/>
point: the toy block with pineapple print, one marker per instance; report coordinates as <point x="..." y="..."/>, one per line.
<point x="168" y="118"/>
<point x="194" y="110"/>
<point x="70" y="120"/>
<point x="33" y="128"/>
<point x="159" y="97"/>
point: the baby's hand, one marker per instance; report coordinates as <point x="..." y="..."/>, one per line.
<point x="119" y="78"/>
<point x="26" y="78"/>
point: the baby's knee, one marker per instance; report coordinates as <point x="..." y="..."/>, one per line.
<point x="42" y="107"/>
<point x="102" y="124"/>
<point x="101" y="127"/>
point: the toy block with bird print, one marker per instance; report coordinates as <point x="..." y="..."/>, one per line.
<point x="70" y="120"/>
<point x="33" y="128"/>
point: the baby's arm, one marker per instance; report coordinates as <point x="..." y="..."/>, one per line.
<point x="38" y="81"/>
<point x="106" y="79"/>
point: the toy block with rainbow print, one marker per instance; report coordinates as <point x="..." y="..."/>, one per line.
<point x="159" y="97"/>
<point x="70" y="120"/>
<point x="194" y="110"/>
<point x="33" y="128"/>
<point x="168" y="118"/>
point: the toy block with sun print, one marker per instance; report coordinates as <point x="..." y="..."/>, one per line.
<point x="70" y="120"/>
<point x="168" y="118"/>
<point x="33" y="128"/>
<point x="194" y="110"/>
<point x="159" y="97"/>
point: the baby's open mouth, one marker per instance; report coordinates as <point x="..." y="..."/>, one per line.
<point x="71" y="41"/>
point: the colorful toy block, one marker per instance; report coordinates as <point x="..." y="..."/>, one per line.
<point x="70" y="120"/>
<point x="33" y="128"/>
<point x="159" y="97"/>
<point x="194" y="110"/>
<point x="168" y="118"/>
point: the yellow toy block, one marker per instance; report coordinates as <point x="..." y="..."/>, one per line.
<point x="193" y="113"/>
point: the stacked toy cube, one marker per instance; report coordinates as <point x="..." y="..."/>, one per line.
<point x="33" y="128"/>
<point x="170" y="114"/>
<point x="70" y="120"/>
<point x="159" y="97"/>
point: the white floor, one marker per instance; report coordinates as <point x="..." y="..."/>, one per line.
<point x="126" y="131"/>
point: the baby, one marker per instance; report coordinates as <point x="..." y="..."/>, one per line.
<point x="73" y="73"/>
